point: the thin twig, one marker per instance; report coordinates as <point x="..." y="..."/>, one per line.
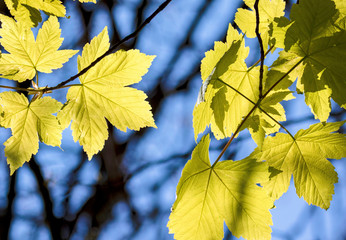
<point x="145" y="166"/>
<point x="259" y="60"/>
<point x="283" y="76"/>
<point x="53" y="222"/>
<point x="261" y="48"/>
<point x="115" y="46"/>
<point x="236" y="90"/>
<point x="15" y="88"/>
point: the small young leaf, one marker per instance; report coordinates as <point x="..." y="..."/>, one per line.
<point x="209" y="195"/>
<point x="29" y="122"/>
<point x="104" y="93"/>
<point x="305" y="158"/>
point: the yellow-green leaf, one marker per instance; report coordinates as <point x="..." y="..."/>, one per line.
<point x="104" y="93"/>
<point x="268" y="10"/>
<point x="209" y="195"/>
<point x="29" y="122"/>
<point x="27" y="56"/>
<point x="28" y="12"/>
<point x="341" y="7"/>
<point x="230" y="90"/>
<point x="314" y="40"/>
<point x="304" y="156"/>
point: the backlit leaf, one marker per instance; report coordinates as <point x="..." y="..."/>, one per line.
<point x="232" y="90"/>
<point x="305" y="158"/>
<point x="104" y="93"/>
<point x="315" y="42"/>
<point x="268" y="10"/>
<point x="28" y="12"/>
<point x="209" y="195"/>
<point x="27" y="56"/>
<point x="29" y="122"/>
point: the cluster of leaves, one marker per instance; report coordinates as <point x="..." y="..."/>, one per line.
<point x="103" y="92"/>
<point x="235" y="97"/>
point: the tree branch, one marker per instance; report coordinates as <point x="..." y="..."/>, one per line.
<point x="53" y="222"/>
<point x="261" y="48"/>
<point x="6" y="219"/>
<point x="115" y="46"/>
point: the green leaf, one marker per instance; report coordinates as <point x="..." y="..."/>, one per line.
<point x="313" y="40"/>
<point x="304" y="156"/>
<point x="230" y="90"/>
<point x="341" y="7"/>
<point x="209" y="195"/>
<point x="278" y="29"/>
<point x="27" y="56"/>
<point x="268" y="10"/>
<point x="213" y="66"/>
<point x="28" y="12"/>
<point x="29" y="122"/>
<point x="104" y="93"/>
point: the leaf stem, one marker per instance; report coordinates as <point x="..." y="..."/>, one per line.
<point x="254" y="108"/>
<point x="261" y="48"/>
<point x="37" y="79"/>
<point x="259" y="60"/>
<point x="236" y="90"/>
<point x="42" y="90"/>
<point x="15" y="88"/>
<point x="276" y="121"/>
<point x="283" y="76"/>
<point x="259" y="107"/>
<point x="235" y="133"/>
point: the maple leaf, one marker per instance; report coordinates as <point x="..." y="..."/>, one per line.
<point x="28" y="12"/>
<point x="304" y="156"/>
<point x="314" y="41"/>
<point x="104" y="93"/>
<point x="209" y="195"/>
<point x="231" y="90"/>
<point x="268" y="10"/>
<point x="27" y="56"/>
<point x="29" y="122"/>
